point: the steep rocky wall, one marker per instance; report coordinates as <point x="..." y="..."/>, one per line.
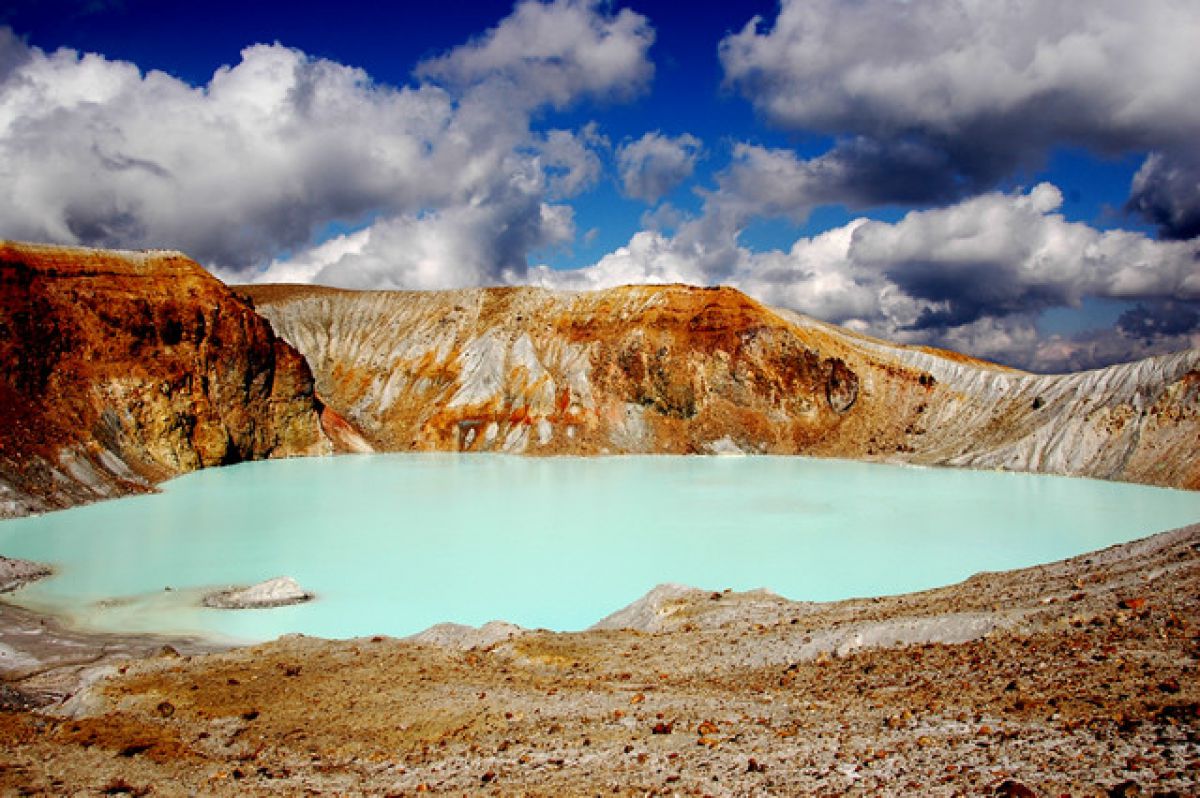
<point x="121" y="369"/>
<point x="681" y="369"/>
<point x="634" y="369"/>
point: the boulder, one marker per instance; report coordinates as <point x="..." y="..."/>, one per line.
<point x="460" y="636"/>
<point x="278" y="592"/>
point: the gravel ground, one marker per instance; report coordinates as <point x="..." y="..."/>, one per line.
<point x="1076" y="678"/>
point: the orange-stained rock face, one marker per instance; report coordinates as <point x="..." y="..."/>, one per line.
<point x="634" y="369"/>
<point x="678" y="369"/>
<point x="118" y="370"/>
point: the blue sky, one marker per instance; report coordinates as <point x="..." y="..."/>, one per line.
<point x="1020" y="181"/>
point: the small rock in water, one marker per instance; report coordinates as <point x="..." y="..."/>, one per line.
<point x="278" y="592"/>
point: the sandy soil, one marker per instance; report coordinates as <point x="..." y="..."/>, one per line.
<point x="1077" y="678"/>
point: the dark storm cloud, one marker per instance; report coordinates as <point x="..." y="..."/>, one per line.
<point x="1149" y="321"/>
<point x="990" y="88"/>
<point x="1166" y="192"/>
<point x="1101" y="347"/>
<point x="963" y="293"/>
<point x="858" y="173"/>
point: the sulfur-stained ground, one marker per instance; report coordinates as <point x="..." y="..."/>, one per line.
<point x="1078" y="678"/>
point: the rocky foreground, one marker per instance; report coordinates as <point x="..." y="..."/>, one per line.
<point x="1077" y="678"/>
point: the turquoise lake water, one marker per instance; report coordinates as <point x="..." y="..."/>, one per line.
<point x="395" y="543"/>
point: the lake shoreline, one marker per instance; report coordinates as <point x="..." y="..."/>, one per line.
<point x="1061" y="677"/>
<point x="416" y="552"/>
<point x="43" y="659"/>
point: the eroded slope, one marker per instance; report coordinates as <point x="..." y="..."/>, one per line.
<point x="633" y="369"/>
<point x="681" y="369"/>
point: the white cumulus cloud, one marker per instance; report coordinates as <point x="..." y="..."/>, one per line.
<point x="451" y="248"/>
<point x="984" y="88"/>
<point x="259" y="161"/>
<point x="554" y="53"/>
<point x="973" y="276"/>
<point x="1103" y="72"/>
<point x="93" y="151"/>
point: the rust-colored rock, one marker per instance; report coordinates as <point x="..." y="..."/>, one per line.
<point x="665" y="369"/>
<point x="1014" y="789"/>
<point x="678" y="369"/>
<point x="120" y="369"/>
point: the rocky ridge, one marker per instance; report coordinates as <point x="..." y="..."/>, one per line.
<point x="678" y="369"/>
<point x="121" y="369"/>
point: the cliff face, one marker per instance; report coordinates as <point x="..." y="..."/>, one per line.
<point x="680" y="369"/>
<point x="120" y="369"/>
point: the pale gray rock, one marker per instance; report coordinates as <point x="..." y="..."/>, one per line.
<point x="278" y="592"/>
<point x="632" y="433"/>
<point x="669" y="607"/>
<point x="724" y="446"/>
<point x="16" y="573"/>
<point x="651" y="612"/>
<point x="461" y="636"/>
<point x="948" y="629"/>
<point x="13" y="659"/>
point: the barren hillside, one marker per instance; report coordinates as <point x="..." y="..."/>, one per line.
<point x="682" y="369"/>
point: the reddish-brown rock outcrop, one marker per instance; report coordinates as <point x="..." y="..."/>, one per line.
<point x="120" y="369"/>
<point x="678" y="369"/>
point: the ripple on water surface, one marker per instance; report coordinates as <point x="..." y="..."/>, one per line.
<point x="392" y="544"/>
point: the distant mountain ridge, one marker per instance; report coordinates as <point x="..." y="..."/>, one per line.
<point x="121" y="369"/>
